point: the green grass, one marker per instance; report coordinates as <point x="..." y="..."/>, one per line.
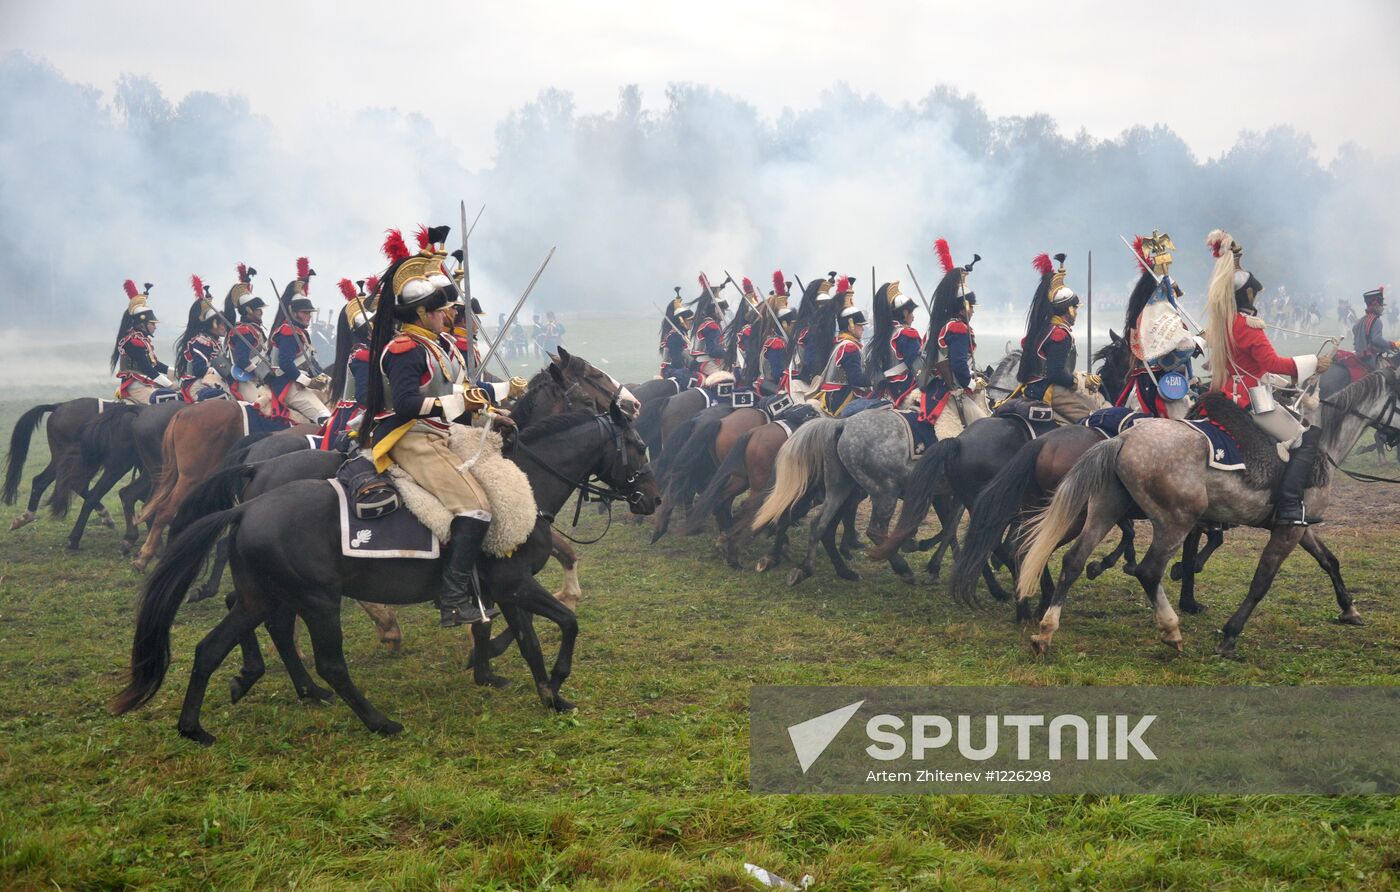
<point x="646" y="784"/>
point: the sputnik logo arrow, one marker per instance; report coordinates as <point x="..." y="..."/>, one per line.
<point x="811" y="738"/>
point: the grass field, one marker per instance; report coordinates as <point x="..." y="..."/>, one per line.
<point x="646" y="785"/>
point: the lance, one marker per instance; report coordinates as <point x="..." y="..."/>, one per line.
<point x="500" y="335"/>
<point x="1152" y="272"/>
<point x="915" y="279"/>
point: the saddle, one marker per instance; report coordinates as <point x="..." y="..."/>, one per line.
<point x="920" y="433"/>
<point x="371" y="526"/>
<point x="1254" y="449"/>
<point x="794" y="417"/>
<point x="1038" y="417"/>
<point x="1112" y="421"/>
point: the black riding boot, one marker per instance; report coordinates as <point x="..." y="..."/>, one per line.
<point x="1288" y="498"/>
<point x="459" y="603"/>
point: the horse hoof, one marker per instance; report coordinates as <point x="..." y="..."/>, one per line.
<point x="1094" y="570"/>
<point x="1130" y="569"/>
<point x="316" y="694"/>
<point x="1039" y="645"/>
<point x="492" y="680"/>
<point x="849" y="575"/>
<point x="389" y="728"/>
<point x="72" y="547"/>
<point x="1175" y="641"/>
<point x="797" y="575"/>
<point x="1191" y="607"/>
<point x="394" y="645"/>
<point x="1226" y="649"/>
<point x="108" y="522"/>
<point x="656" y="536"/>
<point x="198" y="735"/>
<point x="237" y="689"/>
<point x="139" y="565"/>
<point x="1176" y="572"/>
<point x="766" y="563"/>
<point x="562" y="705"/>
<point x="23" y="520"/>
<point x="908" y="578"/>
<point x="202" y="594"/>
<point x="1351" y="618"/>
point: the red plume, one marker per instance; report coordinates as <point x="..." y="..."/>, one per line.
<point x="130" y="287"/>
<point x="1142" y="258"/>
<point x="748" y="285"/>
<point x="198" y="285"/>
<point x="303" y="268"/>
<point x="347" y="288"/>
<point x="704" y="281"/>
<point x="779" y="285"/>
<point x="1043" y="265"/>
<point x="422" y="236"/>
<point x="843" y="285"/>
<point x="945" y="254"/>
<point x="243" y="272"/>
<point x="394" y="248"/>
<point x="371" y="285"/>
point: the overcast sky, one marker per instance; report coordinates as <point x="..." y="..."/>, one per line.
<point x="1206" y="69"/>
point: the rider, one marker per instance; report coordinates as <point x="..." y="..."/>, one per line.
<point x="134" y="360"/>
<point x="198" y="348"/>
<point x="706" y="341"/>
<point x="412" y="405"/>
<point x="774" y="374"/>
<point x="950" y="355"/>
<point x="1048" y="354"/>
<point x="294" y="364"/>
<point x="816" y="330"/>
<point x="739" y="333"/>
<point x="1168" y="339"/>
<point x="1240" y="357"/>
<point x="675" y="328"/>
<point x="350" y="373"/>
<point x="246" y="347"/>
<point x="893" y="360"/>
<point x="844" y="377"/>
<point x="1366" y="336"/>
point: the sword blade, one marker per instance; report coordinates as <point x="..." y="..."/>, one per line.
<point x="500" y="335"/>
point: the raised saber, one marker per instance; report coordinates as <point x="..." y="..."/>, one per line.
<point x="471" y="325"/>
<point x="915" y="279"/>
<point x="1089" y="320"/>
<point x="500" y="335"/>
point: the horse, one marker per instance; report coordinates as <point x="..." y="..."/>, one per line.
<point x="567" y="383"/>
<point x="691" y="456"/>
<point x="1160" y="466"/>
<point x="964" y="466"/>
<point x="286" y="558"/>
<point x="66" y="420"/>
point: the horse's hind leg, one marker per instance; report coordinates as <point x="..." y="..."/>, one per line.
<point x="323" y="623"/>
<point x="138" y="489"/>
<point x="41" y="482"/>
<point x="882" y="507"/>
<point x="950" y="512"/>
<point x="210" y="588"/>
<point x="92" y="503"/>
<point x="1313" y="545"/>
<point x="1095" y="569"/>
<point x="1281" y="543"/>
<point x="1185" y="570"/>
<point x="1103" y="514"/>
<point x="570" y="592"/>
<point x="208" y="655"/>
<point x="484" y="649"/>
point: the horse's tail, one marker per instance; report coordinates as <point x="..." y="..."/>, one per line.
<point x="169" y="471"/>
<point x="648" y="424"/>
<point x="998" y="503"/>
<point x="218" y="493"/>
<point x="1097" y="469"/>
<point x="238" y="453"/>
<point x="801" y="460"/>
<point x="161" y="597"/>
<point x="923" y="484"/>
<point x="694" y="462"/>
<point x="19" y="448"/>
<point x="679" y="439"/>
<point x="732" y="466"/>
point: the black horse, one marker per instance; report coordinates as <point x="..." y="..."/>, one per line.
<point x="295" y="529"/>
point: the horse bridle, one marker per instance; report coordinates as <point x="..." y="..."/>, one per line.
<point x="631" y="491"/>
<point x="1383" y="424"/>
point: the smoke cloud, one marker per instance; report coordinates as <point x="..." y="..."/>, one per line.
<point x="102" y="184"/>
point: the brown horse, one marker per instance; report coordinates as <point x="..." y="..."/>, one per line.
<point x="693" y="453"/>
<point x="192" y="449"/>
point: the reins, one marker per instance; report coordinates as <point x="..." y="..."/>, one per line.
<point x="1386" y="429"/>
<point x="588" y="491"/>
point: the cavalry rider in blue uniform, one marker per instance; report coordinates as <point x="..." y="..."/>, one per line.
<point x="844" y="378"/>
<point x="246" y="347"/>
<point x="295" y="368"/>
<point x="707" y="341"/>
<point x="739" y="334"/>
<point x="139" y="373"/>
<point x="675" y="339"/>
<point x="351" y="371"/>
<point x="950" y="372"/>
<point x="411" y="407"/>
<point x="1159" y="385"/>
<point x="895" y="345"/>
<point x="768" y="350"/>
<point x="816" y="330"/>
<point x="1048" y="354"/>
<point x="198" y="348"/>
<point x="1367" y="337"/>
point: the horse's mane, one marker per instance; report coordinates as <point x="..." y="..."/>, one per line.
<point x="1342" y="403"/>
<point x="542" y="382"/>
<point x="554" y="424"/>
